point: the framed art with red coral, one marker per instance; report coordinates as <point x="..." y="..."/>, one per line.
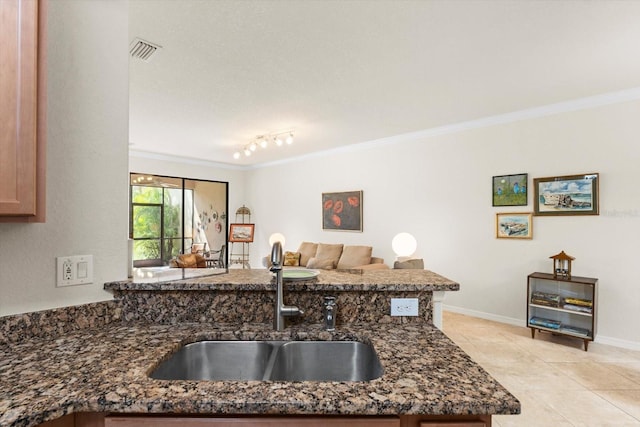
<point x="342" y="211"/>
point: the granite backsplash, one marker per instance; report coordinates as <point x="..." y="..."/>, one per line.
<point x="257" y="306"/>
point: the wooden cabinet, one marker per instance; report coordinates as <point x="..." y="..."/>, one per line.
<point x="97" y="419"/>
<point x="22" y="111"/>
<point x="562" y="306"/>
<point x="454" y="424"/>
<point x="251" y="421"/>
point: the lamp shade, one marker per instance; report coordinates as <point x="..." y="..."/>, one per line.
<point x="276" y="237"/>
<point x="404" y="244"/>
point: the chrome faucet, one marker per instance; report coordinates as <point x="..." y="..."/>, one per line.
<point x="329" y="313"/>
<point x="281" y="310"/>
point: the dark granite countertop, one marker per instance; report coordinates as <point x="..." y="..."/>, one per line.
<point x="106" y="369"/>
<point x="334" y="280"/>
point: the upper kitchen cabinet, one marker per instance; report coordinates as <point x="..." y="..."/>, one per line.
<point x="22" y="111"/>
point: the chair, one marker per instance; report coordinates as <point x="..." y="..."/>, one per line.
<point x="221" y="260"/>
<point x="199" y="248"/>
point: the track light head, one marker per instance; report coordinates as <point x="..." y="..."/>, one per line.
<point x="263" y="141"/>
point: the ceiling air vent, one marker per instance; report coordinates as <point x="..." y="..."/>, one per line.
<point x="142" y="49"/>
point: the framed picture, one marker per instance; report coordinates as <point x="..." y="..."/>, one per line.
<point x="514" y="225"/>
<point x="566" y="195"/>
<point x="510" y="190"/>
<point x="342" y="211"/>
<point x="241" y="233"/>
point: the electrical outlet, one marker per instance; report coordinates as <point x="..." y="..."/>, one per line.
<point x="404" y="306"/>
<point x="74" y="270"/>
<point x="67" y="270"/>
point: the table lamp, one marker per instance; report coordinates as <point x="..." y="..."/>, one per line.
<point x="404" y="245"/>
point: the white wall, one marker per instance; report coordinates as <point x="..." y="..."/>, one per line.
<point x="87" y="138"/>
<point x="190" y="168"/>
<point x="439" y="189"/>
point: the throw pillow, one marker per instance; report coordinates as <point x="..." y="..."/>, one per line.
<point x="415" y="264"/>
<point x="329" y="252"/>
<point x="354" y="256"/>
<point x="307" y="251"/>
<point x="321" y="264"/>
<point x="291" y="259"/>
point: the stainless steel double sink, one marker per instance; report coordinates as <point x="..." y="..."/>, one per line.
<point x="272" y="361"/>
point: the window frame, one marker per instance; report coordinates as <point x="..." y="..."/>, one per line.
<point x="183" y="236"/>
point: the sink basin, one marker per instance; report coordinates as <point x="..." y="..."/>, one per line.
<point x="272" y="361"/>
<point x="326" y="361"/>
<point x="217" y="360"/>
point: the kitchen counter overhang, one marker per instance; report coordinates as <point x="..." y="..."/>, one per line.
<point x="327" y="280"/>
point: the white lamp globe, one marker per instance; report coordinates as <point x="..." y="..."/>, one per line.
<point x="404" y="244"/>
<point x="276" y="237"/>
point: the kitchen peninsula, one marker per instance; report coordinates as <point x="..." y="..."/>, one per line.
<point x="98" y="375"/>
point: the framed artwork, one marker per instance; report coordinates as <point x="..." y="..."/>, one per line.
<point x="241" y="233"/>
<point x="342" y="211"/>
<point x="510" y="190"/>
<point x="514" y="225"/>
<point x="566" y="195"/>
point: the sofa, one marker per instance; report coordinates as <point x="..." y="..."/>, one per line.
<point x="330" y="256"/>
<point x="188" y="261"/>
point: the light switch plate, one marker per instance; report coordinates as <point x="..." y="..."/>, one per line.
<point x="404" y="306"/>
<point x="74" y="270"/>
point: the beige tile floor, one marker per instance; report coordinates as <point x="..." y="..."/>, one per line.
<point x="556" y="381"/>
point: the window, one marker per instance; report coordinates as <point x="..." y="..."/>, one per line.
<point x="166" y="213"/>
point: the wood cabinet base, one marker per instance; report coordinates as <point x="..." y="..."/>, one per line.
<point x="143" y="420"/>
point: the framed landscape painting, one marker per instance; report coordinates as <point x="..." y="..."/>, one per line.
<point x="241" y="233"/>
<point x="514" y="225"/>
<point x="342" y="211"/>
<point x="510" y="190"/>
<point x="566" y="195"/>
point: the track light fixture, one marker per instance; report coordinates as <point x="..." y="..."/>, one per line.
<point x="262" y="141"/>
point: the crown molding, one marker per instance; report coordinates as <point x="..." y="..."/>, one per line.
<point x="181" y="159"/>
<point x="500" y="119"/>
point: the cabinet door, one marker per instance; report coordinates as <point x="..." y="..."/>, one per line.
<point x="19" y="145"/>
<point x="453" y="424"/>
<point x="133" y="421"/>
<point x="67" y="420"/>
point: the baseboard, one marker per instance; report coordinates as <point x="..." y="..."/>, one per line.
<point x="614" y="342"/>
<point x="617" y="342"/>
<point x="483" y="315"/>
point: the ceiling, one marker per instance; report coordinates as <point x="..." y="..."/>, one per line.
<point x="347" y="72"/>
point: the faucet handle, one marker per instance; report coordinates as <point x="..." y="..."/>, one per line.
<point x="329" y="313"/>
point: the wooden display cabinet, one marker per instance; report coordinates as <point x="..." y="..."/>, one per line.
<point x="562" y="306"/>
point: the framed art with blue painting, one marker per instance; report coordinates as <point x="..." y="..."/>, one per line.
<point x="510" y="190"/>
<point x="566" y="195"/>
